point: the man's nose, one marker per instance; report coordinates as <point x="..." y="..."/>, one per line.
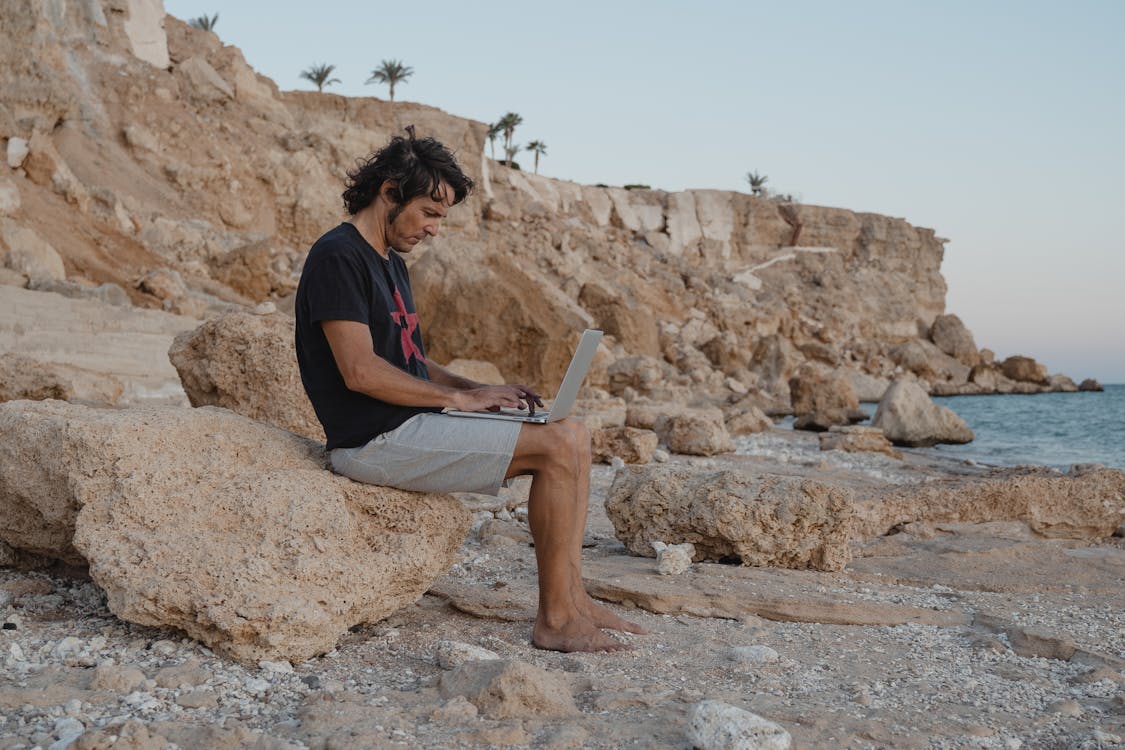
<point x="432" y="229"/>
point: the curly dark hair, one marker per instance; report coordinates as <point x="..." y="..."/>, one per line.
<point x="418" y="165"/>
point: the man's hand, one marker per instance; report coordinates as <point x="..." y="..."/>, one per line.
<point x="496" y="397"/>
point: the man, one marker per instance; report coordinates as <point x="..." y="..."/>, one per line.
<point x="359" y="347"/>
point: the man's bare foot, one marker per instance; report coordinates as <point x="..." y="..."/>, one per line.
<point x="576" y="635"/>
<point x="603" y="618"/>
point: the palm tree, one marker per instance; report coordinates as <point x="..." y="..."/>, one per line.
<point x="205" y="23"/>
<point x="537" y="148"/>
<point x="511" y="151"/>
<point x="390" y="72"/>
<point x="494" y="131"/>
<point x="757" y="182"/>
<point x="509" y="123"/>
<point x="319" y="74"/>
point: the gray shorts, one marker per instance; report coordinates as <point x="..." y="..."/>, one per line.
<point x="435" y="453"/>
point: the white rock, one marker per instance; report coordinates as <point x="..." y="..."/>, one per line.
<point x="16" y="652"/>
<point x="660" y="455"/>
<point x="68" y="647"/>
<point x="452" y="654"/>
<point x="718" y="726"/>
<point x="67" y="730"/>
<point x="17" y="152"/>
<point x="756" y="654"/>
<point x="276" y="667"/>
<point x="673" y="559"/>
<point x="616" y="463"/>
<point x="256" y="685"/>
<point x="145" y="29"/>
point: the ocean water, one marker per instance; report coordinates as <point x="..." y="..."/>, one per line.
<point x="1051" y="429"/>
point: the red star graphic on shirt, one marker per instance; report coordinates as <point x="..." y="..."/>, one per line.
<point x="407" y="323"/>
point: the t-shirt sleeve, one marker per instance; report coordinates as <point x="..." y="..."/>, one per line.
<point x="336" y="289"/>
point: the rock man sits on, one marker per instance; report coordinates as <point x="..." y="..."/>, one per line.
<point x="363" y="366"/>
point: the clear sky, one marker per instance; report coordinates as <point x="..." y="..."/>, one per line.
<point x="999" y="124"/>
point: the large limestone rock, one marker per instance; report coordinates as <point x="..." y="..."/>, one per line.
<point x="1080" y="505"/>
<point x="246" y="363"/>
<point x="907" y="416"/>
<point x="228" y="529"/>
<point x="1023" y="369"/>
<point x="951" y="335"/>
<point x="757" y="519"/>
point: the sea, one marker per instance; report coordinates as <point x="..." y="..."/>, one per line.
<point x="1048" y="429"/>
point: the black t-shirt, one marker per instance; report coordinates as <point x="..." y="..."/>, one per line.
<point x="345" y="278"/>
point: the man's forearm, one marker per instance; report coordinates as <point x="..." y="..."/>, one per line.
<point x="442" y="376"/>
<point x="382" y="380"/>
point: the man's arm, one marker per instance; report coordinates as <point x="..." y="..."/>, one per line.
<point x="439" y="374"/>
<point x="366" y="372"/>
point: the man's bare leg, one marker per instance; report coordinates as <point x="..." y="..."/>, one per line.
<point x="598" y="614"/>
<point x="550" y="454"/>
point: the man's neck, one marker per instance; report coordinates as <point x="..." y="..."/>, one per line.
<point x="370" y="227"/>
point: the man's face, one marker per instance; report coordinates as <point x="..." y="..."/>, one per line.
<point x="419" y="218"/>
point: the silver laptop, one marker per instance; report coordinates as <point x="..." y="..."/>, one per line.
<point x="568" y="391"/>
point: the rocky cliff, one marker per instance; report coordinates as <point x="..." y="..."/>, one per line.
<point x="147" y="155"/>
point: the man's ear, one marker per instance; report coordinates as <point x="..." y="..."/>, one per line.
<point x="389" y="190"/>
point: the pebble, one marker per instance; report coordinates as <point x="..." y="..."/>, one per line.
<point x="719" y="726"/>
<point x="756" y="654"/>
<point x="67" y="731"/>
<point x="617" y="463"/>
<point x="673" y="559"/>
<point x="276" y="667"/>
<point x="660" y="455"/>
<point x="452" y="654"/>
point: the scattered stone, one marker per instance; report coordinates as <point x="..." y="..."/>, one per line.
<point x="456" y="710"/>
<point x="510" y="690"/>
<point x="660" y="456"/>
<point x="907" y="416"/>
<point x="671" y="560"/>
<point x="695" y="432"/>
<point x="631" y="444"/>
<point x="197" y="699"/>
<point x="718" y="726"/>
<point x="857" y="439"/>
<point x="748" y="421"/>
<point x="119" y="679"/>
<point x="452" y="654"/>
<point x="732" y="514"/>
<point x="754" y="655"/>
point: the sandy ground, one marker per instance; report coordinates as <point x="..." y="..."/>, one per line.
<point x="939" y="636"/>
